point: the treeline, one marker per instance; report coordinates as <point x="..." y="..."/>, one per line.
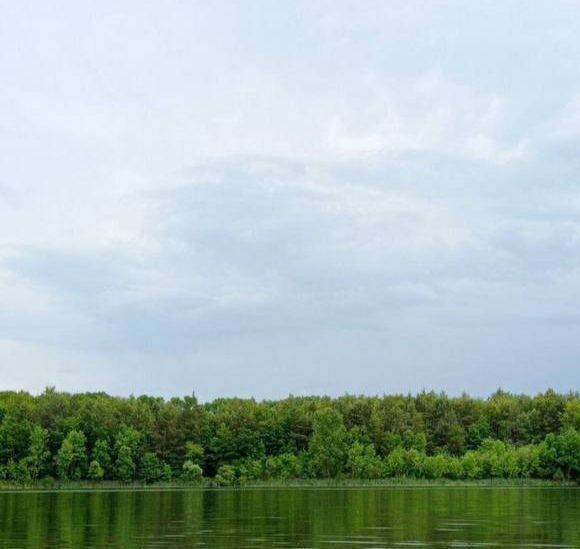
<point x="99" y="437"/>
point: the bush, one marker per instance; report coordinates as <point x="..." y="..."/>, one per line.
<point x="18" y="471"/>
<point x="328" y="442"/>
<point x="471" y="466"/>
<point x="563" y="452"/>
<point x="72" y="456"/>
<point x="528" y="460"/>
<point x="166" y="472"/>
<point x="95" y="472"/>
<point x="362" y="461"/>
<point x="284" y="466"/>
<point x="47" y="482"/>
<point x="124" y="465"/>
<point x="226" y="476"/>
<point x="191" y="472"/>
<point x="152" y="468"/>
<point x="435" y="466"/>
<point x="251" y="469"/>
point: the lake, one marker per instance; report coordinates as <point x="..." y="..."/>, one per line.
<point x="293" y="517"/>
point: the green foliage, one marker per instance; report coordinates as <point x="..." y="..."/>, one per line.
<point x="72" y="456"/>
<point x="478" y="432"/>
<point x="571" y="415"/>
<point x="564" y="453"/>
<point x="152" y="468"/>
<point x="226" y="476"/>
<point x="427" y="436"/>
<point x="194" y="452"/>
<point x="437" y="466"/>
<point x="191" y="471"/>
<point x="528" y="461"/>
<point x="362" y="461"/>
<point x="498" y="460"/>
<point x="284" y="466"/>
<point x="127" y="447"/>
<point x="396" y="463"/>
<point x="124" y="465"/>
<point x="414" y="441"/>
<point x="251" y="469"/>
<point x="18" y="471"/>
<point x="14" y="437"/>
<point x="166" y="473"/>
<point x="95" y="472"/>
<point x="38" y="453"/>
<point x="129" y="438"/>
<point x="102" y="455"/>
<point x="328" y="442"/>
<point x="471" y="467"/>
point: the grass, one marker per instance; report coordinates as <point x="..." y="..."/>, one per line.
<point x="86" y="485"/>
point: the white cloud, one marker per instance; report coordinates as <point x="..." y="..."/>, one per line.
<point x="190" y="181"/>
<point x="567" y="124"/>
<point x="428" y="114"/>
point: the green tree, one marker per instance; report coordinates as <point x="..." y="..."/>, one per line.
<point x="72" y="456"/>
<point x="478" y="432"/>
<point x="14" y="438"/>
<point x="191" y="471"/>
<point x="471" y="467"/>
<point x="428" y="434"/>
<point x="18" y="471"/>
<point x="226" y="476"/>
<point x="284" y="466"/>
<point x="396" y="463"/>
<point x="95" y="472"/>
<point x="416" y="441"/>
<point x="565" y="449"/>
<point x="571" y="415"/>
<point x="328" y="442"/>
<point x="194" y="452"/>
<point x="166" y="473"/>
<point x="128" y="444"/>
<point x="38" y="453"/>
<point x="129" y="438"/>
<point x="456" y="439"/>
<point x="362" y="461"/>
<point x="152" y="468"/>
<point x="102" y="455"/>
<point x="124" y="464"/>
<point x="437" y="466"/>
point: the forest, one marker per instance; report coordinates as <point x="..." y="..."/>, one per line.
<point x="93" y="436"/>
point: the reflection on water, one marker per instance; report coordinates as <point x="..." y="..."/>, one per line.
<point x="376" y="517"/>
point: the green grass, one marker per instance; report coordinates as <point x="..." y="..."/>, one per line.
<point x="403" y="482"/>
<point x="84" y="485"/>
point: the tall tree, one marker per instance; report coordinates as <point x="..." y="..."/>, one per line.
<point x="328" y="442"/>
<point x="72" y="456"/>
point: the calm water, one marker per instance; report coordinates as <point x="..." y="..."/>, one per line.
<point x="379" y="517"/>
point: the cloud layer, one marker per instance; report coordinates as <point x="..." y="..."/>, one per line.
<point x="258" y="199"/>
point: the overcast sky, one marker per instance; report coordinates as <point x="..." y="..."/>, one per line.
<point x="263" y="198"/>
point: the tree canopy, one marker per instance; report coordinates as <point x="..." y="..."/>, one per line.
<point x="429" y="435"/>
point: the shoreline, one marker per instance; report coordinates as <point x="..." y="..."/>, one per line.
<point x="114" y="486"/>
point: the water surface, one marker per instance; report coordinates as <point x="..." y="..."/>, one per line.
<point x="294" y="517"/>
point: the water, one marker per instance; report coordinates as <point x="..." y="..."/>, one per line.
<point x="333" y="518"/>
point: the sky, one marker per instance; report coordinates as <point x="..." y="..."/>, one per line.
<point x="262" y="198"/>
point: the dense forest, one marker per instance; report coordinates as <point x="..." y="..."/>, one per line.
<point x="94" y="436"/>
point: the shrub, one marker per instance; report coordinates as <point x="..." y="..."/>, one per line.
<point x="362" y="461"/>
<point x="226" y="476"/>
<point x="95" y="472"/>
<point x="191" y="471"/>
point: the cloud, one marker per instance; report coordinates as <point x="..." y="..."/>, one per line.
<point x="317" y="197"/>
<point x="427" y="114"/>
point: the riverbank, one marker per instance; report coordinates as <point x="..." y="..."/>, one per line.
<point x="43" y="485"/>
